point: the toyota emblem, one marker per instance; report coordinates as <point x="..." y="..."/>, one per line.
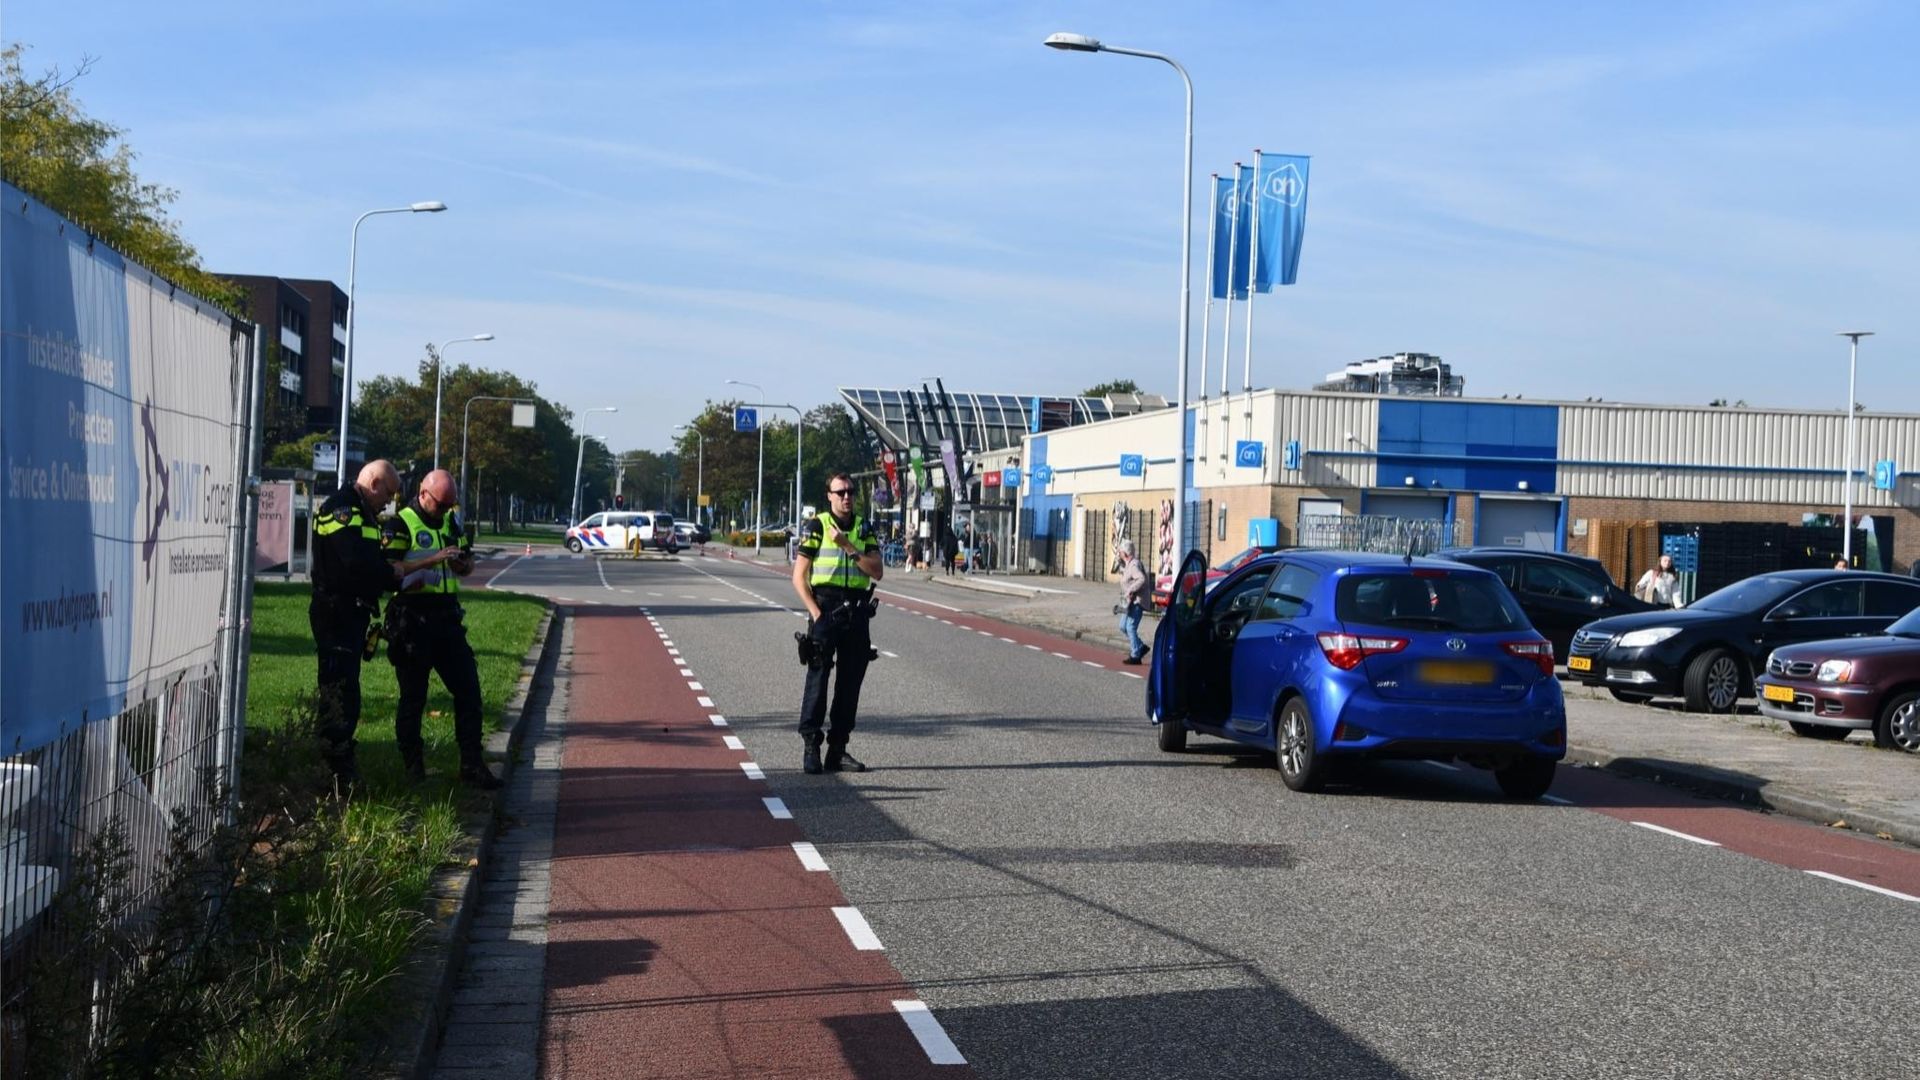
<point x="1457" y="644"/>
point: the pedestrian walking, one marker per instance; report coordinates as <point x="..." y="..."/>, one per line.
<point x="426" y="628"/>
<point x="1136" y="590"/>
<point x="836" y="572"/>
<point x="350" y="574"/>
<point x="1660" y="585"/>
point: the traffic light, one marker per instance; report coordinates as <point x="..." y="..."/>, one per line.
<point x="619" y="502"/>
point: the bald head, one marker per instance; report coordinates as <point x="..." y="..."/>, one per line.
<point x="378" y="482"/>
<point x="438" y="485"/>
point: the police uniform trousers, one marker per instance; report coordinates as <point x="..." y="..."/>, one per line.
<point x="841" y="642"/>
<point x="429" y="637"/>
<point x="340" y="632"/>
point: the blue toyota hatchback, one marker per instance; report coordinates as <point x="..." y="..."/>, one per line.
<point x="1321" y="656"/>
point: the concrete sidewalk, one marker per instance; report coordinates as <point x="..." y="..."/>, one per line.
<point x="1743" y="756"/>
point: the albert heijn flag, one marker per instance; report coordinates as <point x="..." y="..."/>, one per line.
<point x="1282" y="216"/>
<point x="1232" y="195"/>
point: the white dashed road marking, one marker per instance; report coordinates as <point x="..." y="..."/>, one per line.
<point x="890" y="655"/>
<point x="778" y="809"/>
<point x="928" y="1033"/>
<point x="718" y="720"/>
<point x="1063" y="656"/>
<point x="1557" y="800"/>
<point x="1864" y="885"/>
<point x="733" y="742"/>
<point x="809" y="855"/>
<point x="1676" y="833"/>
<point x="855" y="924"/>
<point x="691" y="685"/>
<point x="704" y="702"/>
<point x="753" y="770"/>
<point x="1092" y="663"/>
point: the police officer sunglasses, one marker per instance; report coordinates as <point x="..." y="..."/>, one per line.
<point x="842" y="492"/>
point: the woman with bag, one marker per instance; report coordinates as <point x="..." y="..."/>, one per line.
<point x="1659" y="585"/>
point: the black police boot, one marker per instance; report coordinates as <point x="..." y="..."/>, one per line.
<point x="475" y="774"/>
<point x="810" y="759"/>
<point x="415" y="763"/>
<point x="838" y="760"/>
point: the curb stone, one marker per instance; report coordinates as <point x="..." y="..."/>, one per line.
<point x="426" y="984"/>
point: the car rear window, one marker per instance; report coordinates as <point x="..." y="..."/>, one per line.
<point x="663" y="521"/>
<point x="1469" y="602"/>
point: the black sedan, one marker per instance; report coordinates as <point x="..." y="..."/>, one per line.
<point x="1708" y="652"/>
<point x="1559" y="593"/>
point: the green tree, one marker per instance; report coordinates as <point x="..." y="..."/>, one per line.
<point x="1111" y="386"/>
<point x="79" y="166"/>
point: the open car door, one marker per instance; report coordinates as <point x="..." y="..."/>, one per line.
<point x="1177" y="644"/>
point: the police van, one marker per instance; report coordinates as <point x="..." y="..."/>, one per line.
<point x="621" y="532"/>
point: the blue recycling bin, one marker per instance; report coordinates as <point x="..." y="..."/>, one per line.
<point x="1263" y="532"/>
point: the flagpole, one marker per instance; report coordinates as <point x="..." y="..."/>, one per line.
<point x="1253" y="286"/>
<point x="1226" y="319"/>
<point x="1206" y="314"/>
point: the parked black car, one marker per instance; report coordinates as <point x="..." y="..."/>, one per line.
<point x="1560" y="593"/>
<point x="1709" y="651"/>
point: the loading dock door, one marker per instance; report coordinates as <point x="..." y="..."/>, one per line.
<point x="1521" y="523"/>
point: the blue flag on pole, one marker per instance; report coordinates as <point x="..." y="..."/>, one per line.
<point x="1232" y="207"/>
<point x="1283" y="219"/>
<point x="1223" y="216"/>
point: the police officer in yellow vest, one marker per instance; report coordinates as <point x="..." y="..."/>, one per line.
<point x="834" y="571"/>
<point x="425" y="630"/>
<point x="349" y="577"/>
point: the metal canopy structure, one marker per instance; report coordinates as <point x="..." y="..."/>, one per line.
<point x="979" y="422"/>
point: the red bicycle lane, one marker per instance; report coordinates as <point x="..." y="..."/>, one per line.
<point x="688" y="935"/>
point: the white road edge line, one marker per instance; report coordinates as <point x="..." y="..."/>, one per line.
<point x="1063" y="656"/>
<point x="1131" y="675"/>
<point x="1676" y="833"/>
<point x="1035" y="648"/>
<point x="928" y="1032"/>
<point x="917" y="600"/>
<point x="733" y="742"/>
<point x="778" y="809"/>
<point x="890" y="655"/>
<point x="1557" y="800"/>
<point x="1864" y="885"/>
<point x="809" y="856"/>
<point x="753" y="770"/>
<point x="855" y="924"/>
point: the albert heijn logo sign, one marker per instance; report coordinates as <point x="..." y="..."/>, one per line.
<point x="1285" y="184"/>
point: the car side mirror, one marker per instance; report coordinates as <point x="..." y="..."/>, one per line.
<point x="1787" y="611"/>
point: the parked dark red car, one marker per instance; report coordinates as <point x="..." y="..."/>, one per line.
<point x="1825" y="689"/>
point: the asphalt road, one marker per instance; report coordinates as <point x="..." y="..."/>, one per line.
<point x="1070" y="902"/>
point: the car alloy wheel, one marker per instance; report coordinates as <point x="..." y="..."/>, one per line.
<point x="1899" y="726"/>
<point x="1300" y="767"/>
<point x="1723" y="684"/>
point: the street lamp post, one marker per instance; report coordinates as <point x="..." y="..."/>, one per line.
<point x="700" y="470"/>
<point x="439" y="364"/>
<point x="1853" y="362"/>
<point x="1083" y="43"/>
<point x="346" y="373"/>
<point x="799" y="453"/>
<point x="580" y="459"/>
<point x="466" y="417"/>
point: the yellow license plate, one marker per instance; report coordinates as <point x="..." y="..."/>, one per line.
<point x="1777" y="693"/>
<point x="1456" y="674"/>
<point x="1579" y="663"/>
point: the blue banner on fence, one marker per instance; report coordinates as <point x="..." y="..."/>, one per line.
<point x="1283" y="219"/>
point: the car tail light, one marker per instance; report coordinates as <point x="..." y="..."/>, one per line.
<point x="1345" y="651"/>
<point x="1556" y="737"/>
<point x="1540" y="652"/>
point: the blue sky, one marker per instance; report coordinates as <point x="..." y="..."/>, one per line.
<point x="1640" y="201"/>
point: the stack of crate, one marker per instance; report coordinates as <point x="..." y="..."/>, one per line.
<point x="1607" y="541"/>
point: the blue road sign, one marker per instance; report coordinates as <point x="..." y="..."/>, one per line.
<point x="1010" y="477"/>
<point x="1685" y="551"/>
<point x="1291" y="458"/>
<point x="1133" y="465"/>
<point x="745" y="419"/>
<point x="1042" y="475"/>
<point x="1883" y="474"/>
<point x="1249" y="453"/>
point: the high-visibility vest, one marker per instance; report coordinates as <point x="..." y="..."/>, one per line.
<point x="420" y="539"/>
<point x="834" y="566"/>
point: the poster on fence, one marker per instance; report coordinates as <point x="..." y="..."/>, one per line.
<point x="273" y="537"/>
<point x="117" y="407"/>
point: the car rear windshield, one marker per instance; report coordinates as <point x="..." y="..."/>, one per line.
<point x="1471" y="602"/>
<point x="1751" y="594"/>
<point x="663" y="521"/>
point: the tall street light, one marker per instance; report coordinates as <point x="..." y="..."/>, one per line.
<point x="346" y="374"/>
<point x="1853" y="362"/>
<point x="700" y="471"/>
<point x="581" y="457"/>
<point x="1083" y="43"/>
<point x="466" y="418"/>
<point x="439" y="364"/>
<point x="760" y="472"/>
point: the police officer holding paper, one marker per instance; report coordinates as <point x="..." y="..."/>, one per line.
<point x="835" y="571"/>
<point x="425" y="627"/>
<point x="350" y="574"/>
